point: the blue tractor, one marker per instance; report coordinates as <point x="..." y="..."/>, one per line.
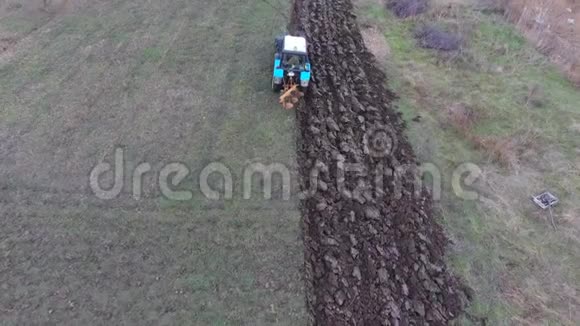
<point x="292" y="71"/>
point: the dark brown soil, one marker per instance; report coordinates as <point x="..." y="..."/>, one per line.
<point x="373" y="254"/>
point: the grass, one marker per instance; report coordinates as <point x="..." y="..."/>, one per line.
<point x="186" y="81"/>
<point x="523" y="271"/>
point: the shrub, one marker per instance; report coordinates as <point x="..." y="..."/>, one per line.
<point x="408" y="8"/>
<point x="433" y="37"/>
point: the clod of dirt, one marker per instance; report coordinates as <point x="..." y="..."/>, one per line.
<point x="408" y="8"/>
<point x="434" y="37"/>
<point x="374" y="254"/>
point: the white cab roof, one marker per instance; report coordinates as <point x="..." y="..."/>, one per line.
<point x="294" y="44"/>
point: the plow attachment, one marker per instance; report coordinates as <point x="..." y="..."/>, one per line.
<point x="290" y="97"/>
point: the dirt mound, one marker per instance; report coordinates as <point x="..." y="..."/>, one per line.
<point x="373" y="252"/>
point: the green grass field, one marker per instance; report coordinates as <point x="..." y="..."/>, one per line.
<point x="188" y="81"/>
<point x="180" y="81"/>
<point x="523" y="271"/>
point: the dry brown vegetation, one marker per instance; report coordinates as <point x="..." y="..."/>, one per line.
<point x="505" y="151"/>
<point x="553" y="26"/>
<point x="376" y="43"/>
<point x="408" y="8"/>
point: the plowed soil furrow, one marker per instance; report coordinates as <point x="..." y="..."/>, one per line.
<point x="374" y="254"/>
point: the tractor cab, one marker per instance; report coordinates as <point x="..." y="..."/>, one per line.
<point x="291" y="64"/>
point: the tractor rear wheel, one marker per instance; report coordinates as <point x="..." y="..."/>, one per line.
<point x="276" y="87"/>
